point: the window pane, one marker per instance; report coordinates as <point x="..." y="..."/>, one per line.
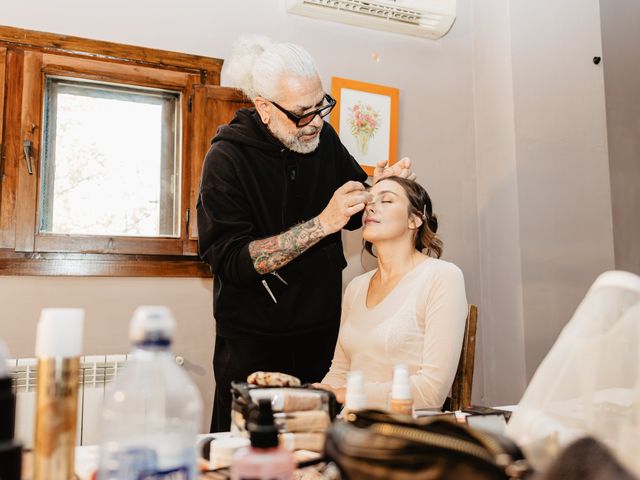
<point x="111" y="162"/>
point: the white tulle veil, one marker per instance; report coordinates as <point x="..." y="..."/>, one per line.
<point x="589" y="383"/>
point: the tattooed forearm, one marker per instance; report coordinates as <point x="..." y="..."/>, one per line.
<point x="270" y="254"/>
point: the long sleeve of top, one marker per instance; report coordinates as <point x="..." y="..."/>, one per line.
<point x="252" y="187"/>
<point x="420" y="323"/>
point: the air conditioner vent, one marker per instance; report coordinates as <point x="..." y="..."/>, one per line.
<point x="366" y="8"/>
<point x="425" y="18"/>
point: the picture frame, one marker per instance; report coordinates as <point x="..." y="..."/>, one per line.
<point x="366" y="119"/>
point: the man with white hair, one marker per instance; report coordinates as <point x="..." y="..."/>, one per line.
<point x="277" y="187"/>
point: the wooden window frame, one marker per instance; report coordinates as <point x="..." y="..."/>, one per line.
<point x="170" y="141"/>
<point x="26" y="58"/>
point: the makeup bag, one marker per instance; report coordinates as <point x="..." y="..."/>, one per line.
<point x="302" y="413"/>
<point x="370" y="444"/>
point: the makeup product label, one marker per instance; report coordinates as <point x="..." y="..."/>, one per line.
<point x="402" y="406"/>
<point x="56" y="418"/>
<point x="181" y="473"/>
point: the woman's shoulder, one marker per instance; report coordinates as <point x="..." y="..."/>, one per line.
<point x="444" y="269"/>
<point x="361" y="279"/>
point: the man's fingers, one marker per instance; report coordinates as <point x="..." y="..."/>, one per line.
<point x="413" y="176"/>
<point x="355" y="209"/>
<point x="350" y="186"/>
<point x="357" y="197"/>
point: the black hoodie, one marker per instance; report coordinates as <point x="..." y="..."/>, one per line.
<point x="253" y="187"/>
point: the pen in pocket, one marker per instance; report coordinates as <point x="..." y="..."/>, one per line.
<point x="266" y="287"/>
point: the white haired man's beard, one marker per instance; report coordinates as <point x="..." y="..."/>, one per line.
<point x="294" y="141"/>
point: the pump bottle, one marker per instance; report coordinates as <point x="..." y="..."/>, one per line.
<point x="401" y="400"/>
<point x="264" y="459"/>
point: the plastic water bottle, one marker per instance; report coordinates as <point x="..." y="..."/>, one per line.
<point x="152" y="412"/>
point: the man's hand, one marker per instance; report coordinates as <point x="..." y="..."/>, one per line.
<point x="347" y="200"/>
<point x="398" y="169"/>
<point x="272" y="253"/>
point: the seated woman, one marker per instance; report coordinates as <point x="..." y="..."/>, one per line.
<point x="411" y="310"/>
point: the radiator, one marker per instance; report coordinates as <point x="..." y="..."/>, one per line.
<point x="96" y="372"/>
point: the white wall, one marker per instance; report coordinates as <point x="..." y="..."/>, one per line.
<point x="501" y="339"/>
<point x="620" y="22"/>
<point x="564" y="195"/>
<point x="544" y="202"/>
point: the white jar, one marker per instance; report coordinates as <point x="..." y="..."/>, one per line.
<point x="222" y="449"/>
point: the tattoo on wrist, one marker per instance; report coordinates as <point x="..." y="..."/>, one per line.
<point x="270" y="254"/>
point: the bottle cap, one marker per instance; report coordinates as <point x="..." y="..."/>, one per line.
<point x="263" y="431"/>
<point x="401" y="389"/>
<point x="59" y="332"/>
<point x="152" y="325"/>
<point x="355" y="398"/>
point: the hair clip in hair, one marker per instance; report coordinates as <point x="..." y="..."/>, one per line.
<point x="424" y="212"/>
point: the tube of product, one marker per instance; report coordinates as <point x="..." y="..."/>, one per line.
<point x="58" y="347"/>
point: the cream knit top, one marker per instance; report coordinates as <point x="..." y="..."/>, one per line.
<point x="420" y="323"/>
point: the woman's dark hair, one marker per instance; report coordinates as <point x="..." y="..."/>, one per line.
<point x="420" y="205"/>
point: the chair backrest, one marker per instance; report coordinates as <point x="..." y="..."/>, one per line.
<point x="463" y="381"/>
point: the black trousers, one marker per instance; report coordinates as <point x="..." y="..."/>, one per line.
<point x="307" y="357"/>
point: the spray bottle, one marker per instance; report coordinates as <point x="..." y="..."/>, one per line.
<point x="58" y="347"/>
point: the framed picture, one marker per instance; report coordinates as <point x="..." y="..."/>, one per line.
<point x="366" y="118"/>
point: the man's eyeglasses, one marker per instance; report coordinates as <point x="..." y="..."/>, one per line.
<point x="307" y="118"/>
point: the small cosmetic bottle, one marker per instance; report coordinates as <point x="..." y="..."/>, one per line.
<point x="264" y="459"/>
<point x="354" y="399"/>
<point x="401" y="400"/>
<point x="58" y="347"/>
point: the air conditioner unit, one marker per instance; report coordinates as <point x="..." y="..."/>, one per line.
<point x="423" y="18"/>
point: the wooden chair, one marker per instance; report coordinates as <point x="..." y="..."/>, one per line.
<point x="463" y="381"/>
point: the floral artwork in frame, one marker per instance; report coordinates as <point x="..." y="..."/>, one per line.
<point x="366" y="119"/>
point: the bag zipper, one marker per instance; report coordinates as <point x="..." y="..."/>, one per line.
<point x="435" y="439"/>
<point x="497" y="456"/>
